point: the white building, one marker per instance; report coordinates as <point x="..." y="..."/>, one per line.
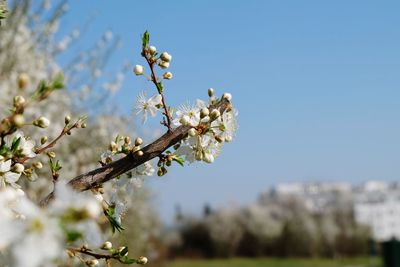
<point x="375" y="203"/>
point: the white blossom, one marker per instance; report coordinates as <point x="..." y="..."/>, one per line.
<point x="147" y="106"/>
<point x="188" y="114"/>
<point x="25" y="146"/>
<point x="7" y="176"/>
<point x="138" y="69"/>
<point x="226" y="125"/>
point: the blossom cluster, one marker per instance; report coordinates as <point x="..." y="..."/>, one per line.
<point x="70" y="221"/>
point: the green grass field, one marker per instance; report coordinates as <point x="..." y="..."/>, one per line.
<point x="269" y="262"/>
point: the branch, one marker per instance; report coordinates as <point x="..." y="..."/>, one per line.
<point x="96" y="177"/>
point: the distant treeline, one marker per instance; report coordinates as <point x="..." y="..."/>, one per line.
<point x="275" y="226"/>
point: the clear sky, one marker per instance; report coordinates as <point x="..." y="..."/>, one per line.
<point x="317" y="85"/>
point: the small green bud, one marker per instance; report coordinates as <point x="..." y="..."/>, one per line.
<point x="67" y="119"/>
<point x="138" y="69"/>
<point x="43" y="139"/>
<point x="23" y="80"/>
<point x="19" y="101"/>
<point x="38" y="165"/>
<point x="163" y="64"/>
<point x="138" y="141"/>
<point x="106" y="245"/>
<point x="18" y="120"/>
<point x="204" y="112"/>
<point x="210" y="92"/>
<point x="120" y="249"/>
<point x="42" y="122"/>
<point x="168" y="75"/>
<point x="18" y="168"/>
<point x="152" y="50"/>
<point x="166" y="57"/>
<point x="227" y="96"/>
<point x="142" y="260"/>
<point x="127" y="140"/>
<point x="215" y="113"/>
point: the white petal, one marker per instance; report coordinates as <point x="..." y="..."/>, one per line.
<point x="5" y="166"/>
<point x="11" y="177"/>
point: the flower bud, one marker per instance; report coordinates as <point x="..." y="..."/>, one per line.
<point x="83" y="125"/>
<point x="127" y="140"/>
<point x="120" y="249"/>
<point x="51" y="154"/>
<point x="204" y="112"/>
<point x="163" y="64"/>
<point x="140" y="153"/>
<point x="19" y="101"/>
<point x="138" y="141"/>
<point x="207" y="157"/>
<point x="141" y="260"/>
<point x="67" y="119"/>
<point x="42" y="122"/>
<point x="38" y="165"/>
<point x="106" y="245"/>
<point x="18" y="168"/>
<point x="228" y="139"/>
<point x="166" y="57"/>
<point x="227" y="96"/>
<point x="192" y="132"/>
<point x="184" y="120"/>
<point x="220" y="139"/>
<point x="43" y="139"/>
<point x="138" y="69"/>
<point x="18" y="120"/>
<point x="92" y="263"/>
<point x="23" y="80"/>
<point x="210" y="92"/>
<point x="215" y="114"/>
<point x="168" y="75"/>
<point x="152" y="50"/>
<point x="113" y="146"/>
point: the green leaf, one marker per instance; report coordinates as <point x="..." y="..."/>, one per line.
<point x="15" y="144"/>
<point x="73" y="235"/>
<point x="145" y="39"/>
<point x="114" y="224"/>
<point x="126" y="260"/>
<point x="58" y="82"/>
<point x="160" y="87"/>
<point x="4" y="150"/>
<point x="41" y="87"/>
<point x="55" y="165"/>
<point x="179" y="160"/>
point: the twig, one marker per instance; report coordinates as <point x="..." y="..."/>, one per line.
<point x="166" y="112"/>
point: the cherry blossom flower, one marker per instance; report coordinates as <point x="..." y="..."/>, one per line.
<point x="6" y="175"/>
<point x="145" y="106"/>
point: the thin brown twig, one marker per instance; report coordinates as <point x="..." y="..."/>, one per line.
<point x="166" y="112"/>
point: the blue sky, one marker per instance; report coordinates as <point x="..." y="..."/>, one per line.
<point x="316" y="84"/>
